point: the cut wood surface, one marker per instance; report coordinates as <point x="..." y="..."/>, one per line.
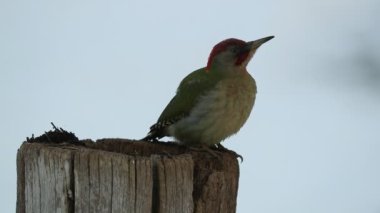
<point x="119" y="175"/>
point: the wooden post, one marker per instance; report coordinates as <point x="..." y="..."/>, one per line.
<point x="118" y="175"/>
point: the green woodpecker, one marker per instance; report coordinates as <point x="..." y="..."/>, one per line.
<point x="214" y="102"/>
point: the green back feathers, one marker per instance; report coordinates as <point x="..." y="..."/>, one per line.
<point x="190" y="89"/>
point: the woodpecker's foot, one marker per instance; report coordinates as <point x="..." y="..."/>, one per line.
<point x="204" y="148"/>
<point x="224" y="149"/>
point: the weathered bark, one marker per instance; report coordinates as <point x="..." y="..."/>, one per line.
<point x="116" y="175"/>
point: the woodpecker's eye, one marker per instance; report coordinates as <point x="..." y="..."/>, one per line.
<point x="236" y="50"/>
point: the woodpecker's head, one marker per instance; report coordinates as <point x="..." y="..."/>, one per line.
<point x="233" y="53"/>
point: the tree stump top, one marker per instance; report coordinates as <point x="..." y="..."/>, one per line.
<point x="120" y="175"/>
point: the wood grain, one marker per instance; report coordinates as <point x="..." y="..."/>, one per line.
<point x="118" y="175"/>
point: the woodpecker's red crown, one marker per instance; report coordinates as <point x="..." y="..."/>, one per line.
<point x="234" y="52"/>
<point x="222" y="46"/>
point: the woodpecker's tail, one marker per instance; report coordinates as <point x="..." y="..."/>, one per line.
<point x="157" y="131"/>
<point x="151" y="136"/>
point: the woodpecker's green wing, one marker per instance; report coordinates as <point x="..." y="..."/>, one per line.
<point x="190" y="89"/>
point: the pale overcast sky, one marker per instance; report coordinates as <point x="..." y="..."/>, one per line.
<point x="108" y="68"/>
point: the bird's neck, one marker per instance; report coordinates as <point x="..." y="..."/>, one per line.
<point x="228" y="70"/>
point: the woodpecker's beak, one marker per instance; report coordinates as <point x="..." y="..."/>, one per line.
<point x="253" y="45"/>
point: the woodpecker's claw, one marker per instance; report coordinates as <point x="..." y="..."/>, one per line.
<point x="215" y="151"/>
<point x="222" y="148"/>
